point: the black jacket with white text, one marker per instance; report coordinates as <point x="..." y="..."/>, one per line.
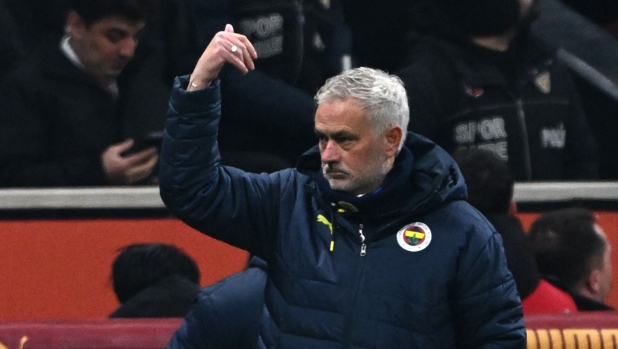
<point x="521" y="104"/>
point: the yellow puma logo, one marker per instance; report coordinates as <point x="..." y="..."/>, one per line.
<point x="322" y="219"/>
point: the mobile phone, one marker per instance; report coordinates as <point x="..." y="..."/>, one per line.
<point x="152" y="139"/>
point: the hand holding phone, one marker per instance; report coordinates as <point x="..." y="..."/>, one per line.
<point x="152" y="139"/>
<point x="121" y="167"/>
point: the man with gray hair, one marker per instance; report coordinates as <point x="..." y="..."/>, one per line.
<point x="369" y="241"/>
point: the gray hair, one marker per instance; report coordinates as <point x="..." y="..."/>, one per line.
<point x="381" y="95"/>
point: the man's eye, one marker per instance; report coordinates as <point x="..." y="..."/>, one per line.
<point x="115" y="37"/>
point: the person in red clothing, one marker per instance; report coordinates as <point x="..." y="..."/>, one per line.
<point x="572" y="250"/>
<point x="547" y="298"/>
<point x="490" y="190"/>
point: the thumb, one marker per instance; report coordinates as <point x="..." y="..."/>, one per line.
<point x="229" y="28"/>
<point x="126" y="145"/>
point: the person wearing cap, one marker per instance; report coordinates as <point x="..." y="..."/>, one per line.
<point x="369" y="241"/>
<point x="476" y="78"/>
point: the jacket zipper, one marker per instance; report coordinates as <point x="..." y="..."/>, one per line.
<point x="359" y="270"/>
<point x="524" y="133"/>
<point x="363" y="251"/>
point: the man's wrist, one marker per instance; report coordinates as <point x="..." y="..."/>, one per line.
<point x="196" y="83"/>
<point x="193" y="102"/>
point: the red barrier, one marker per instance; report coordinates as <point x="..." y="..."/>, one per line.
<point x="60" y="269"/>
<point x="88" y="334"/>
<point x="593" y="330"/>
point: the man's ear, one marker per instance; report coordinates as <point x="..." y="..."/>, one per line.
<point x="75" y="25"/>
<point x="393" y="137"/>
<point x="593" y="282"/>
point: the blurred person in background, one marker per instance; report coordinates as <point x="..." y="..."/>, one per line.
<point x="154" y="280"/>
<point x="64" y="117"/>
<point x="476" y="78"/>
<point x="572" y="251"/>
<point x="490" y="190"/>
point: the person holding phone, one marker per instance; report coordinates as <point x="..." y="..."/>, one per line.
<point x="63" y="116"/>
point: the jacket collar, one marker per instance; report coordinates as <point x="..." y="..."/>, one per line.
<point x="71" y="55"/>
<point x="388" y="197"/>
<point x="58" y="67"/>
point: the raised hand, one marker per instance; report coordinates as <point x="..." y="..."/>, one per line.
<point x="225" y="47"/>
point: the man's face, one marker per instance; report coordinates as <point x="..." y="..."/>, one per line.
<point x="354" y="158"/>
<point x="106" y="46"/>
<point x="606" y="268"/>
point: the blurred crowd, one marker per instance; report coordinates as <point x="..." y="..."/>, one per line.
<point x="85" y="85"/>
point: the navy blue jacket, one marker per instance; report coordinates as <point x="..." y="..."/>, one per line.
<point x="227" y="314"/>
<point x="431" y="272"/>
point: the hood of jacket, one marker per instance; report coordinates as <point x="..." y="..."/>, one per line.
<point x="423" y="178"/>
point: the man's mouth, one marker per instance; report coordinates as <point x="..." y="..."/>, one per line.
<point x="335" y="174"/>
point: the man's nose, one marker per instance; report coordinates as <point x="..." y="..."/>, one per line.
<point x="330" y="152"/>
<point x="127" y="48"/>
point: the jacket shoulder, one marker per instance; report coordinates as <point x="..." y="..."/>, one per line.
<point x="469" y="226"/>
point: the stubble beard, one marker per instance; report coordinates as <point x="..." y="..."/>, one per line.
<point x="357" y="185"/>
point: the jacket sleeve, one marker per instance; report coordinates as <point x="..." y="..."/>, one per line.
<point x="227" y="314"/>
<point x="487" y="309"/>
<point x="24" y="158"/>
<point x="226" y="203"/>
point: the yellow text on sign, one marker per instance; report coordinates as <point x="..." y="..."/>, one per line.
<point x="572" y="338"/>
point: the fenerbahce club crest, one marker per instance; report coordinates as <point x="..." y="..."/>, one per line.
<point x="414" y="237"/>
